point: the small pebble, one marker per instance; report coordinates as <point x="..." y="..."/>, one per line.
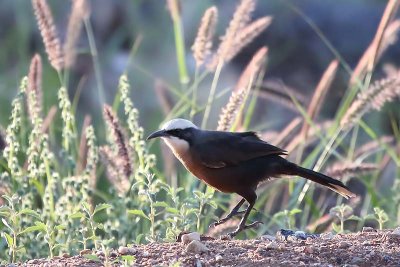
<point x="356" y="260"/>
<point x="344" y="244"/>
<point x="396" y="231"/>
<point x="267" y="238"/>
<point x="146" y="254"/>
<point x="65" y="255"/>
<point x="308" y="250"/>
<point x="327" y="236"/>
<point x="187" y="238"/>
<point x="113" y="254"/>
<point x="272" y="245"/>
<point x="196" y="247"/>
<point x="85" y="251"/>
<point x="218" y="258"/>
<point x="366" y="229"/>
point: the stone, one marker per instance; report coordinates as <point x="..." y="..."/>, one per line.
<point x="344" y="244"/>
<point x="267" y="238"/>
<point x="126" y="250"/>
<point x="196" y="247"/>
<point x="187" y="238"/>
<point x="218" y="258"/>
<point x="396" y="231"/>
<point x="327" y="236"/>
<point x="272" y="245"/>
<point x="85" y="251"/>
<point x="366" y="229"/>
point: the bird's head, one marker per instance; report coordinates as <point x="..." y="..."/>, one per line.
<point x="177" y="133"/>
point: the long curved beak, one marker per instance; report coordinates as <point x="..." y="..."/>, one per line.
<point x="159" y="133"/>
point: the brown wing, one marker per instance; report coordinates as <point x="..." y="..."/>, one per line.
<point x="221" y="149"/>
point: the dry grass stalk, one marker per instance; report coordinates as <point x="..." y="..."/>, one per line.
<point x="120" y="182"/>
<point x="346" y="170"/>
<point x="229" y="112"/>
<point x="80" y="10"/>
<point x="203" y="43"/>
<point x="388" y="38"/>
<point x="252" y="69"/>
<point x="241" y="17"/>
<point x="123" y="158"/>
<point x="319" y="95"/>
<point x="239" y="33"/>
<point x="246" y="36"/>
<point x="174" y="8"/>
<point x="374" y="97"/>
<point x="83" y="148"/>
<point x="371" y="147"/>
<point x="388" y="14"/>
<point x="49" y="118"/>
<point x="288" y="131"/>
<point x="49" y="33"/>
<point x="163" y="96"/>
<point x="34" y="88"/>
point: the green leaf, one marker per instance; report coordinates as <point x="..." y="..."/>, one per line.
<point x="128" y="258"/>
<point x="161" y="204"/>
<point x="295" y="211"/>
<point x="30" y="213"/>
<point x="7" y="225"/>
<point x="355" y="218"/>
<point x="139" y="213"/>
<point x="101" y="207"/>
<point x="172" y="210"/>
<point x="9" y="239"/>
<point x="336" y="228"/>
<point x="92" y="257"/>
<point x="213" y="204"/>
<point x="77" y="215"/>
<point x="60" y="227"/>
<point x="38" y="227"/>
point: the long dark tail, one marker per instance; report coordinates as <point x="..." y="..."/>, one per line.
<point x="322" y="179"/>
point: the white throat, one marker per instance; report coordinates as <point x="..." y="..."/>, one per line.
<point x="178" y="146"/>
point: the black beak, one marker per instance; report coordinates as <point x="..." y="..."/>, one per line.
<point x="159" y="133"/>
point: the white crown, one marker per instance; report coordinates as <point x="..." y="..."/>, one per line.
<point x="178" y="124"/>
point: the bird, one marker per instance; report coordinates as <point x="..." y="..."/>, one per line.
<point x="234" y="162"/>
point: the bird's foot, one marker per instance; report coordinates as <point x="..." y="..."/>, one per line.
<point x="224" y="220"/>
<point x="244" y="227"/>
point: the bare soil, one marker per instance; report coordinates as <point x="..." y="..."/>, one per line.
<point x="372" y="248"/>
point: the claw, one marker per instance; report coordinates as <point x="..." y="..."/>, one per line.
<point x="224" y="220"/>
<point x="244" y="227"/>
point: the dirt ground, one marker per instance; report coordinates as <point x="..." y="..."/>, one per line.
<point x="368" y="248"/>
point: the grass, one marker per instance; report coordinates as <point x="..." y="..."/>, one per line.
<point x="66" y="188"/>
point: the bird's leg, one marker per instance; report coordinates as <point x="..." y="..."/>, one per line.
<point x="251" y="198"/>
<point x="234" y="211"/>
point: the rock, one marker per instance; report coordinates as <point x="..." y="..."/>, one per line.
<point x="187" y="238"/>
<point x="344" y="244"/>
<point x="65" y="255"/>
<point x="146" y="254"/>
<point x="300" y="235"/>
<point x="35" y="261"/>
<point x="396" y="231"/>
<point x="218" y="258"/>
<point x="196" y="247"/>
<point x="366" y="229"/>
<point x="327" y="236"/>
<point x="267" y="238"/>
<point x="85" y="251"/>
<point x="126" y="250"/>
<point x="272" y="245"/>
